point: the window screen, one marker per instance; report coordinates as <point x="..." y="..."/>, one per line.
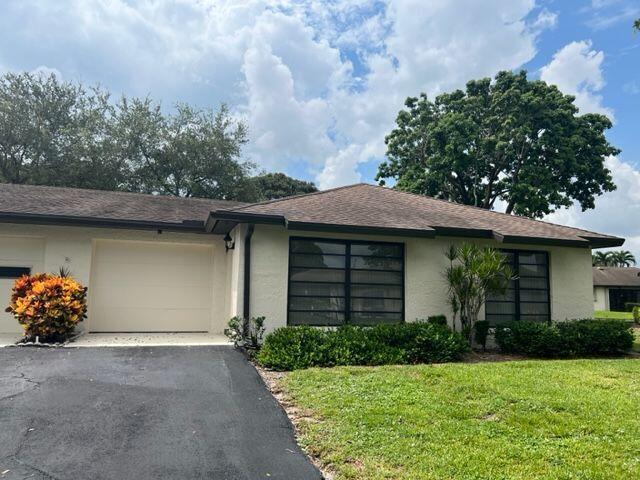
<point x="528" y="296"/>
<point x="334" y="282"/>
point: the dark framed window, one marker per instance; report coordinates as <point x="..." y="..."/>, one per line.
<point x="528" y="296"/>
<point x="333" y="282"/>
<point x="620" y="298"/>
<point x="14" y="272"/>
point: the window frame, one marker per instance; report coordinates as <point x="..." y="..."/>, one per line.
<point x="347" y="284"/>
<point x="11" y="271"/>
<point x="518" y="316"/>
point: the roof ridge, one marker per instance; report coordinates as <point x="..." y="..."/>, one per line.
<point x="118" y="192"/>
<point x="485" y="210"/>
<point x="291" y="197"/>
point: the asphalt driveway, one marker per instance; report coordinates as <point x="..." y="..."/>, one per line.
<point x="141" y="413"/>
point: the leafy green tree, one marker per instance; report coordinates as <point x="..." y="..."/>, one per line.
<point x="55" y="133"/>
<point x="192" y="153"/>
<point x="613" y="258"/>
<point x="271" y="186"/>
<point x="636" y="25"/>
<point x="474" y="273"/>
<point x="512" y="140"/>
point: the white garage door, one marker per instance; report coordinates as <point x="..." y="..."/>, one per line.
<point x="150" y="287"/>
<point x="17" y="254"/>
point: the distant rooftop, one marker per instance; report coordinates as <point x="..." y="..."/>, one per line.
<point x="616" y="277"/>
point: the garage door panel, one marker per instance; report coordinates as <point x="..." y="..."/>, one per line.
<point x="151" y="287"/>
<point x="156" y="274"/>
<point x="148" y="253"/>
<point x="147" y="320"/>
<point x="151" y="296"/>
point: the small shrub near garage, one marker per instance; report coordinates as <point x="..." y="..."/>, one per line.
<point x="48" y="306"/>
<point x="293" y="348"/>
<point x="565" y="339"/>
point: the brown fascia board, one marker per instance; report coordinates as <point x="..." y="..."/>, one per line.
<point x="223" y="221"/>
<point x="194" y="226"/>
<point x="525" y="239"/>
<point x="600" y="242"/>
<point x="367" y="230"/>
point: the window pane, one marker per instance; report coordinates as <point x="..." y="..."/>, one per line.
<point x="535" y="318"/>
<point x="316" y="318"/>
<point x="376" y="305"/>
<point x="14" y="272"/>
<point x="498" y="319"/>
<point x="311" y="246"/>
<point x="532" y="271"/>
<point x="375" y="318"/>
<point x="380" y="291"/>
<point x="533" y="308"/>
<point x="316" y="303"/>
<point x="534" y="258"/>
<point x="375" y="263"/>
<point x="509" y="295"/>
<point x="535" y="283"/>
<point x="501" y="308"/>
<point x="391" y="278"/>
<point x="534" y="296"/>
<point x="313" y="289"/>
<point x="317" y="275"/>
<point x="310" y="260"/>
<point x="376" y="249"/>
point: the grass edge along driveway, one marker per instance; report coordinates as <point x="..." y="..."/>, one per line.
<point x="566" y="419"/>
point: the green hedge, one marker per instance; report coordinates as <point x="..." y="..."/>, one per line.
<point x="565" y="339"/>
<point x="293" y="348"/>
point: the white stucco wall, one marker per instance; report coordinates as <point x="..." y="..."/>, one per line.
<point x="600" y="298"/>
<point x="425" y="263"/>
<point x="73" y="247"/>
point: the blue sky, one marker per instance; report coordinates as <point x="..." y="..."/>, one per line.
<point x="319" y="83"/>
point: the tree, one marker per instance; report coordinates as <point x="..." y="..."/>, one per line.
<point x="474" y="273"/>
<point x="614" y="258"/>
<point x="513" y="140"/>
<point x="55" y="133"/>
<point x="192" y="153"/>
<point x="636" y="25"/>
<point x="271" y="186"/>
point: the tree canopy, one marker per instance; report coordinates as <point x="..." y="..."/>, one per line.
<point x="511" y="140"/>
<point x="270" y="186"/>
<point x="613" y="258"/>
<point x="63" y="134"/>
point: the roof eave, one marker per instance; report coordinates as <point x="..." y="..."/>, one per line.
<point x="64" y="220"/>
<point x="363" y="229"/>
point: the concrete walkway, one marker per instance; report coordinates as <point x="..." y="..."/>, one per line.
<point x="147" y="339"/>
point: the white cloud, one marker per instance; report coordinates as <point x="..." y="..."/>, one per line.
<point x="320" y="83"/>
<point x="577" y="70"/>
<point x="616" y="211"/>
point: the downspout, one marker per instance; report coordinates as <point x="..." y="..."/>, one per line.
<point x="246" y="297"/>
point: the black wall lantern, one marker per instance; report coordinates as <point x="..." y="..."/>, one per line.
<point x="229" y="244"/>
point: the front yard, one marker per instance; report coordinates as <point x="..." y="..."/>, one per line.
<point x="572" y="419"/>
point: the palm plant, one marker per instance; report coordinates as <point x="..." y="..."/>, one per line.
<point x="617" y="258"/>
<point x="473" y="274"/>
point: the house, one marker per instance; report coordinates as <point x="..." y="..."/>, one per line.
<point x="359" y="254"/>
<point x="615" y="287"/>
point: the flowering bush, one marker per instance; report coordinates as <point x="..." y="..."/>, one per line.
<point x="48" y="306"/>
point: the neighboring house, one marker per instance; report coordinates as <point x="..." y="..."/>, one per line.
<point x="360" y="254"/>
<point x="613" y="287"/>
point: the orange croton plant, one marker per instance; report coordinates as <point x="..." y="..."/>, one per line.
<point x="48" y="306"/>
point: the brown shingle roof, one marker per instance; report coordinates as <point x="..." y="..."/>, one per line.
<point x="31" y="201"/>
<point x="616" y="277"/>
<point x="364" y="206"/>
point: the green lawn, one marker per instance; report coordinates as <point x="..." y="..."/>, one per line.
<point x="615" y="315"/>
<point x="572" y="419"/>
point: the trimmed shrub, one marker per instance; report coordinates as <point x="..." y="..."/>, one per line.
<point x="565" y="339"/>
<point x="636" y="315"/>
<point x="438" y="320"/>
<point x="292" y="348"/>
<point x="48" y="306"/>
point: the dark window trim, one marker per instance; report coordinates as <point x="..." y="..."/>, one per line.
<point x="347" y="283"/>
<point x="517" y="289"/>
<point x="14" y="272"/>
